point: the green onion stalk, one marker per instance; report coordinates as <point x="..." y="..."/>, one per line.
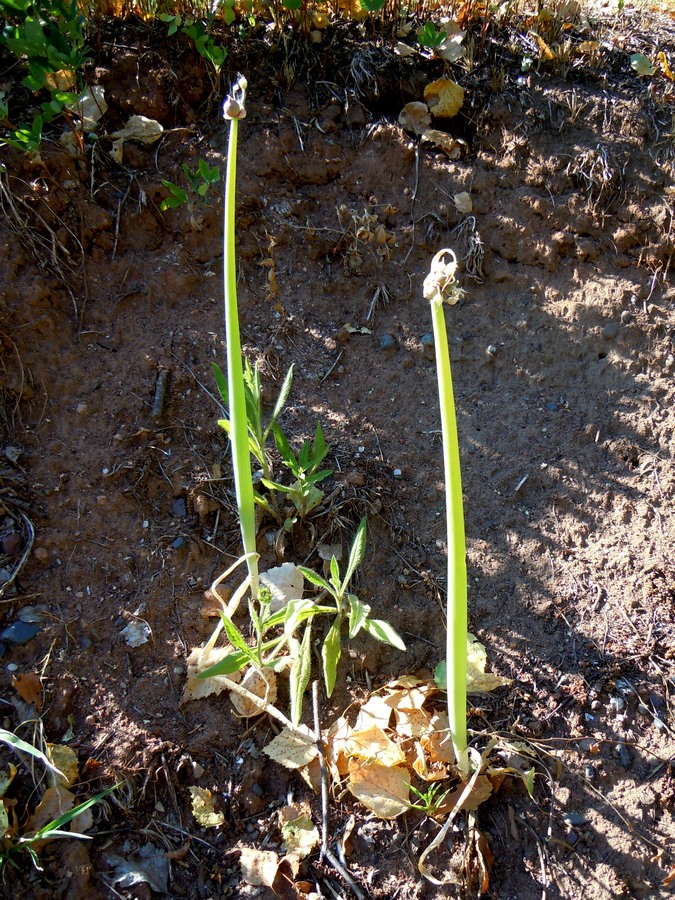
<point x="234" y="110"/>
<point x="439" y="287"/>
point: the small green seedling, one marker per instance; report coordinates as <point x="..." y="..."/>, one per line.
<point x="258" y="433"/>
<point x="430" y="36"/>
<point x="303" y="492"/>
<point x="348" y="606"/>
<point x="429" y="801"/>
<point x="200" y="182"/>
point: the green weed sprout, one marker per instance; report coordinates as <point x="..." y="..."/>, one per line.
<point x="233" y="111"/>
<point x="440" y="286"/>
<point x="349" y="606"/>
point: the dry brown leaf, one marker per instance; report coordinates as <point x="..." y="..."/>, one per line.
<point x="286" y="582"/>
<point x="412" y="697"/>
<point x="334" y="741"/>
<point x="300" y="834"/>
<point x="444" y="98"/>
<point x="199" y="660"/>
<point x="66" y="761"/>
<point x="56" y="801"/>
<point x="258" y="866"/>
<point x="293" y="749"/>
<point x="544" y="50"/>
<point x="375" y="711"/>
<point x="415" y="117"/>
<point x="444" y="141"/>
<point x="438" y="740"/>
<point x="463" y="202"/>
<point x="29" y="687"/>
<point x="373" y="744"/>
<point x="262" y="683"/>
<point x="383" y="789"/>
<point x="203" y="808"/>
<point x="481" y="791"/>
<point x="412" y="723"/>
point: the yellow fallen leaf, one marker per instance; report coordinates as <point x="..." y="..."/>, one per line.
<point x="383" y="789"/>
<point x="64" y="759"/>
<point x="375" y="711"/>
<point x="481" y="791"/>
<point x="412" y="723"/>
<point x="300" y="834"/>
<point x="203" y="808"/>
<point x="662" y="60"/>
<point x="262" y="683"/>
<point x="293" y="748"/>
<point x="334" y="741"/>
<point x="463" y="202"/>
<point x="478" y="681"/>
<point x="589" y="47"/>
<point x="544" y="50"/>
<point x="444" y="98"/>
<point x="258" y="866"/>
<point x="444" y="141"/>
<point x="199" y="660"/>
<point x="415" y="117"/>
<point x="373" y="744"/>
<point x="438" y="740"/>
<point x="56" y="801"/>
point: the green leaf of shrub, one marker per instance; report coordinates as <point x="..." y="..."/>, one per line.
<point x="382" y="631"/>
<point x="330" y="654"/>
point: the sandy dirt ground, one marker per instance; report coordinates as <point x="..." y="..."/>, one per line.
<point x="563" y="362"/>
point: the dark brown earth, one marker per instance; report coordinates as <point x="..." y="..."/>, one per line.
<point x="563" y="364"/>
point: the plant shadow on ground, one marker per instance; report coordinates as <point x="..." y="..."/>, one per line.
<point x="570" y="585"/>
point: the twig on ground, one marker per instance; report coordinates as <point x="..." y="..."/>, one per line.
<point x="322" y="768"/>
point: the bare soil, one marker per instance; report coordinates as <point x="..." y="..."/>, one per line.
<point x="563" y="363"/>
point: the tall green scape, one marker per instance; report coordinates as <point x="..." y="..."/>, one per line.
<point x="233" y="111"/>
<point x="440" y="287"/>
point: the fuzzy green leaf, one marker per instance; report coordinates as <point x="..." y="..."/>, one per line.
<point x="330" y="654"/>
<point x="382" y="631"/>
<point x="312" y="576"/>
<point x="358" y="614"/>
<point x="300" y="673"/>
<point x="356" y="553"/>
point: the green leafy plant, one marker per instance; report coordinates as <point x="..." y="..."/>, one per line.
<point x="200" y="182"/>
<point x="49" y="38"/>
<point x="258" y="433"/>
<point x="440" y="286"/>
<point x="200" y="34"/>
<point x="348" y="606"/>
<point x="430" y="801"/>
<point x="430" y="36"/>
<point x="303" y="492"/>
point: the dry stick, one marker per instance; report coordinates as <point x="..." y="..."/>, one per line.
<point x="322" y="768"/>
<point x="325" y="850"/>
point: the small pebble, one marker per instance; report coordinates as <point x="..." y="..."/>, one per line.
<point x="589" y="771"/>
<point x="18" y="633"/>
<point x="626" y="317"/>
<point x="178" y="543"/>
<point x="658" y="723"/>
<point x="617" y="704"/>
<point x="491" y="349"/>
<point x="427" y="339"/>
<point x="12" y="667"/>
<point x="178" y="670"/>
<point x="624" y="755"/>
<point x="256" y="789"/>
<point x="179" y="507"/>
<point x="610" y="331"/>
<point x="596" y="704"/>
<point x="575" y="819"/>
<point x="642" y="709"/>
<point x="397" y="473"/>
<point x="572" y="837"/>
<point x="670" y="361"/>
<point x="552" y="406"/>
<point x="12" y="544"/>
<point x="387" y="342"/>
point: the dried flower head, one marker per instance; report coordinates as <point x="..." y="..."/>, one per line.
<point x="440" y="284"/>
<point x="234" y="105"/>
